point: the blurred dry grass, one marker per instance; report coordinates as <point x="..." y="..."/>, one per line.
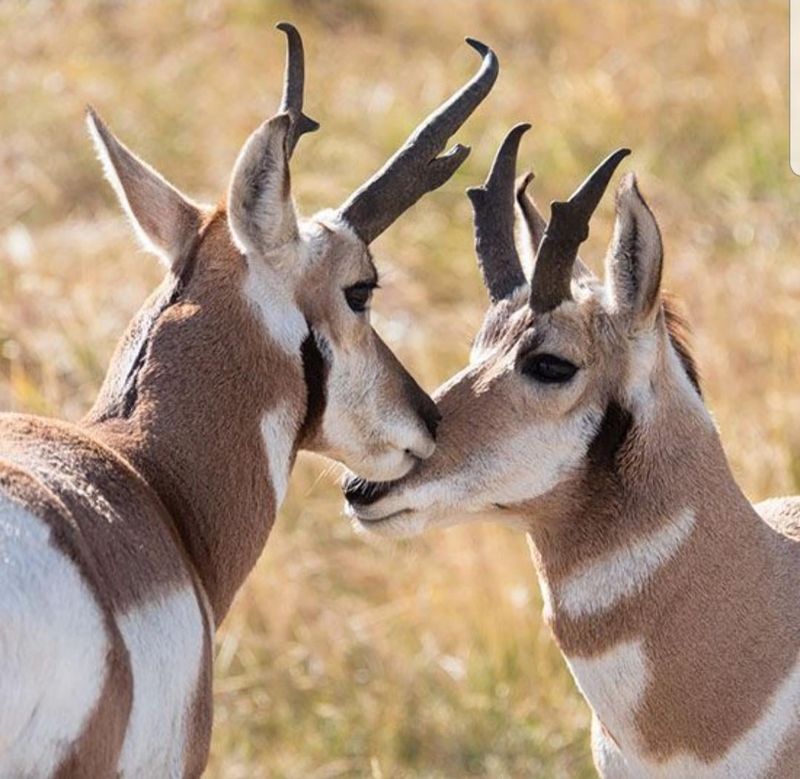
<point x="341" y="658"/>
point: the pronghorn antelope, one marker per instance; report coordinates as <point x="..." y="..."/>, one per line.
<point x="124" y="538"/>
<point x="580" y="419"/>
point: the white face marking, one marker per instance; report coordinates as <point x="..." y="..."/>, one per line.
<point x="165" y="639"/>
<point x="53" y="646"/>
<point x="272" y="298"/>
<point x="506" y="471"/>
<point x="279" y="427"/>
<point x="601" y="584"/>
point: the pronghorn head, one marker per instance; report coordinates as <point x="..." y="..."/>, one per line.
<point x="560" y="369"/>
<point x="308" y="281"/>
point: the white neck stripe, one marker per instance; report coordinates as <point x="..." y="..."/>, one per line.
<point x="601" y="584"/>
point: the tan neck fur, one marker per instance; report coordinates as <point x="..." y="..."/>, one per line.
<point x="664" y="578"/>
<point x="209" y="387"/>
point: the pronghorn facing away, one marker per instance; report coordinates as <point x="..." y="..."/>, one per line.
<point x="123" y="539"/>
<point x="580" y="419"/>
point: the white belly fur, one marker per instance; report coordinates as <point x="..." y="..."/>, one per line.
<point x="53" y="647"/>
<point x="165" y="639"/>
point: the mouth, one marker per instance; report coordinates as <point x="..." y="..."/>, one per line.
<point x="361" y="495"/>
<point x="360" y="492"/>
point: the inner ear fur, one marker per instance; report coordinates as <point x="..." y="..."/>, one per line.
<point x="261" y="213"/>
<point x="165" y="220"/>
<point x="635" y="259"/>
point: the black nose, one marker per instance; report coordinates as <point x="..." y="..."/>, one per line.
<point x="430" y="414"/>
<point x="361" y="492"/>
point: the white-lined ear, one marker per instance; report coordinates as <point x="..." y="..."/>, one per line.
<point x="635" y="258"/>
<point x="164" y="220"/>
<point x="261" y="213"/>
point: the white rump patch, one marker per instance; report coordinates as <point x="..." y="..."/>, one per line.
<point x="601" y="584"/>
<point x="165" y="640"/>
<point x="278" y="427"/>
<point x="53" y="647"/>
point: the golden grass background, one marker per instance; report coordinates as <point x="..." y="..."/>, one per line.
<point x="340" y="658"/>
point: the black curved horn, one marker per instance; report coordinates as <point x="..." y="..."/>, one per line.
<point x="567" y="230"/>
<point x="293" y="83"/>
<point x="416" y="168"/>
<point x="493" y="206"/>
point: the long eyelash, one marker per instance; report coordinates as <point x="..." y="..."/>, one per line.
<point x="370" y="285"/>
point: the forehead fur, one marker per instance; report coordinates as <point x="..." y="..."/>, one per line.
<point x="585" y="325"/>
<point x="509" y="321"/>
<point x="331" y="242"/>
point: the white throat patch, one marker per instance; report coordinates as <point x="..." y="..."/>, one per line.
<point x="283" y="321"/>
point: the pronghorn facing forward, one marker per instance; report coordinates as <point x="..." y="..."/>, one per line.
<point x="580" y="419"/>
<point x="123" y="539"/>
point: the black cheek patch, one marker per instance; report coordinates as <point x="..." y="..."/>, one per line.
<point x="315" y="376"/>
<point x="610" y="437"/>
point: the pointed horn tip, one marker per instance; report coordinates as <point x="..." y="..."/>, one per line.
<point x="619" y="155"/>
<point x="487" y="52"/>
<point x="286" y="27"/>
<point x="514" y="136"/>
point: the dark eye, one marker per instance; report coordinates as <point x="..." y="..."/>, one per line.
<point x="359" y="295"/>
<point x="548" y="369"/>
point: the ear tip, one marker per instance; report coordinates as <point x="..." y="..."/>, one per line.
<point x="91" y="116"/>
<point x="98" y="130"/>
<point x="628" y="185"/>
<point x="480" y="47"/>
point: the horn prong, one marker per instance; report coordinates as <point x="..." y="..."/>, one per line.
<point x="418" y="168"/>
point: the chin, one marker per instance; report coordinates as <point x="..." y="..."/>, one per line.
<point x="402" y="524"/>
